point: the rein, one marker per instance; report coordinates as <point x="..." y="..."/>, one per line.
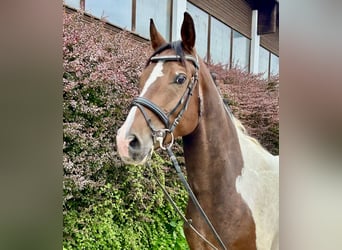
<point x="159" y="135"/>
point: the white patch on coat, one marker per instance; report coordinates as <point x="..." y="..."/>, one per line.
<point x="258" y="184"/>
<point x="126" y="127"/>
<point x="156" y="72"/>
<point x="123" y="136"/>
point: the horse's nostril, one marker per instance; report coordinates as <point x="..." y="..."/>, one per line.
<point x="134" y="143"/>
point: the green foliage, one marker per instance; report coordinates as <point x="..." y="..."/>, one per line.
<point x="127" y="217"/>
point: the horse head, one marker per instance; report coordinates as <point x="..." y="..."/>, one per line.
<point x="164" y="109"/>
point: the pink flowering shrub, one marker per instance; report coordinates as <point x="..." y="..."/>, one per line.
<point x="100" y="75"/>
<point x="253" y="100"/>
<point x="99" y="80"/>
<point x="106" y="203"/>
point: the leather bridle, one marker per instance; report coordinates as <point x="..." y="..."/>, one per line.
<point x="141" y="103"/>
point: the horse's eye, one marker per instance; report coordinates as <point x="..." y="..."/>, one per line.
<point x="180" y="79"/>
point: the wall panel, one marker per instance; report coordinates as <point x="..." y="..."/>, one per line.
<point x="238" y="15"/>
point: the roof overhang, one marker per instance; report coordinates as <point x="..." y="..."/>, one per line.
<point x="268" y="15"/>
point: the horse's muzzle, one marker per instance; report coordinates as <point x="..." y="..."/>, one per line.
<point x="132" y="148"/>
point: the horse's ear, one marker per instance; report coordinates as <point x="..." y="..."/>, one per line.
<point x="188" y="32"/>
<point x="156" y="38"/>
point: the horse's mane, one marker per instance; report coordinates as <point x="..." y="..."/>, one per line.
<point x="238" y="125"/>
<point x="243" y="130"/>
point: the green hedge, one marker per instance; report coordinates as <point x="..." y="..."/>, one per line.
<point x="126" y="217"/>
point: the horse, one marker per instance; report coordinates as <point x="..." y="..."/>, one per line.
<point x="234" y="178"/>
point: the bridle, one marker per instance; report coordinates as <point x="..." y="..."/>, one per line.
<point x="159" y="135"/>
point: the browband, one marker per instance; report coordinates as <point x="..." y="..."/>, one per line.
<point x="175" y="58"/>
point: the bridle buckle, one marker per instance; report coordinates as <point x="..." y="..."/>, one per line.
<point x="160" y="135"/>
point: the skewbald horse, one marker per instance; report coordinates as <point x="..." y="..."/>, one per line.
<point x="234" y="178"/>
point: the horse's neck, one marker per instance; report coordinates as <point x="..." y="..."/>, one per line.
<point x="214" y="161"/>
<point x="212" y="152"/>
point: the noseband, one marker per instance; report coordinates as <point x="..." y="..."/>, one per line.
<point x="141" y="103"/>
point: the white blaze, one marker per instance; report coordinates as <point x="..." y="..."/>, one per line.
<point x="123" y="132"/>
<point x="156" y="72"/>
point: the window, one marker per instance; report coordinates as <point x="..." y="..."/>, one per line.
<point x="73" y="3"/>
<point x="274" y="65"/>
<point x="118" y="12"/>
<point x="159" y="10"/>
<point x="240" y="55"/>
<point x="219" y="42"/>
<point x="264" y="58"/>
<point x="201" y="26"/>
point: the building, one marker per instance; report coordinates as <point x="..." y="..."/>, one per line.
<point x="233" y="32"/>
